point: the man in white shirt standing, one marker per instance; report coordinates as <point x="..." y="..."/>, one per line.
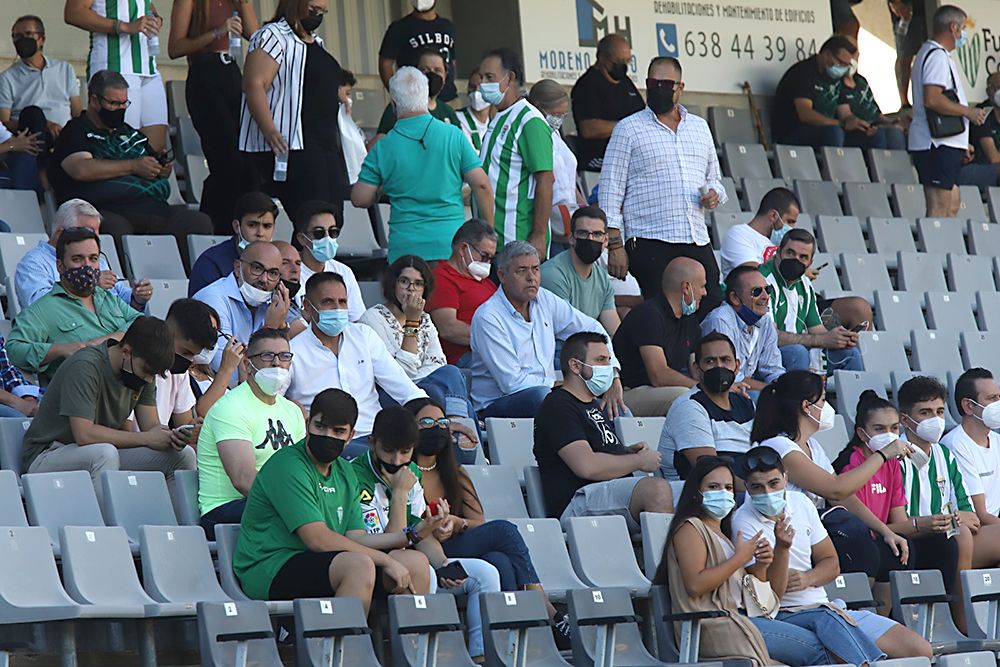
<point x="756" y="242"/>
<point x="660" y="174"/>
<point x="937" y="88"/>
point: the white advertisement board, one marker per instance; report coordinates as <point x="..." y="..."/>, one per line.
<point x="981" y="54"/>
<point x="720" y="44"/>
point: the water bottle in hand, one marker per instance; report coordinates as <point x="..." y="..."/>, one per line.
<point x="280" y="168"/>
<point x="235" y="43"/>
<point x="153" y="41"/>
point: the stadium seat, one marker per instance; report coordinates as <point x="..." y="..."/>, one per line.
<point x="427" y="632"/>
<point x="828" y="280"/>
<point x="980" y="349"/>
<point x="866" y="200"/>
<point x="188" y="139"/>
<point x="984" y="238"/>
<point x="197" y="172"/>
<point x="511" y="442"/>
<point x="721" y="223"/>
<point x="185" y="497"/>
<point x="882" y="351"/>
<point x="915" y="594"/>
<point x="516" y="630"/>
<point x="947" y="310"/>
<point x="972" y="659"/>
<point x="796" y="163"/>
<point x="283" y="227"/>
<point x="371" y="291"/>
<point x="754" y="190"/>
<point x="165" y="292"/>
<point x="333" y="632"/>
<point x="993" y="199"/>
<point x="935" y="352"/>
<point x="832" y="441"/>
<point x="840" y="234"/>
<point x="544" y="539"/>
<point x="16" y="245"/>
<point x="844" y="165"/>
<point x="890" y="235"/>
<point x="655" y="526"/>
<point x="199" y="243"/>
<point x="605" y="629"/>
<point x="819" y="197"/>
<point x="499" y="491"/>
<point x="11" y="442"/>
<point x="175" y="198"/>
<point x="909" y="200"/>
<point x="971" y="205"/>
<point x="899" y="311"/>
<point x="631" y="430"/>
<point x="981" y="600"/>
<point x="731" y="125"/>
<point x="941" y="235"/>
<point x="805" y="221"/>
<point x="988" y="310"/>
<point x="732" y="203"/>
<point x="968" y="273"/>
<point x="920" y="272"/>
<point x="891" y="166"/>
<point x="745" y="161"/>
<point x="612" y="565"/>
<point x="57" y="499"/>
<point x="109" y="248"/>
<point x="161" y="548"/>
<point x="535" y="493"/>
<point x="850" y="384"/>
<point x="226" y="536"/>
<point x="685" y="651"/>
<point x="864" y="273"/>
<point x="152" y="257"/>
<point x="19" y="209"/>
<point x="233" y="633"/>
<point x="357" y="237"/>
<point x="11" y="507"/>
<point x="132" y="499"/>
<point x="176" y="100"/>
<point x="853" y="589"/>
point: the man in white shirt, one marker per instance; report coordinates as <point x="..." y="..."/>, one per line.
<point x="935" y="81"/>
<point x="973" y="442"/>
<point x="756" y="242"/>
<point x="333" y="352"/>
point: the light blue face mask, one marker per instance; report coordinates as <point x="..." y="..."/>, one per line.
<point x="600" y="379"/>
<point x="962" y="39"/>
<point x="837" y="71"/>
<point x="332" y="322"/>
<point x="324" y="249"/>
<point x="718" y="503"/>
<point x="243" y="243"/>
<point x="491" y="92"/>
<point x="778" y="234"/>
<point x="769" y="504"/>
<point x="689" y="308"/>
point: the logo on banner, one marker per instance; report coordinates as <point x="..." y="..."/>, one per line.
<point x="666" y="39"/>
<point x="969" y="56"/>
<point x="592" y="23"/>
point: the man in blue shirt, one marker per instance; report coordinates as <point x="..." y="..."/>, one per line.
<point x="253" y="221"/>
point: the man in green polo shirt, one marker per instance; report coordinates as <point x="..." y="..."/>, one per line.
<point x="420" y="166"/>
<point x="302" y="534"/>
<point x="74" y="315"/>
<point x="801" y="334"/>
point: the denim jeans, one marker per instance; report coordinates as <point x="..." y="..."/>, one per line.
<point x="814" y="135"/>
<point x="447" y="386"/>
<point x="796" y="358"/>
<point x="231" y="512"/>
<point x="790" y="644"/>
<point x="7" y="411"/>
<point x="843" y="640"/>
<point x="500" y="544"/>
<point x="520" y="404"/>
<point x="483" y="578"/>
<point x="886" y="136"/>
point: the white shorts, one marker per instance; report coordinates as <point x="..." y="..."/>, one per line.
<point x="602" y="498"/>
<point x="147" y="101"/>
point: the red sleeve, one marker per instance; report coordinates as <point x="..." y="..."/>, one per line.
<point x="445" y="294"/>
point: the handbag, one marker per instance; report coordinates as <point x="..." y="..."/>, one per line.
<point x="759" y="598"/>
<point x="940" y="125"/>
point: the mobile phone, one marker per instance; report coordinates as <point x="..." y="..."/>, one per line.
<point x="186" y="430"/>
<point x="453" y="571"/>
<point x="821" y="267"/>
<point x="166" y="156"/>
<point x="861" y="326"/>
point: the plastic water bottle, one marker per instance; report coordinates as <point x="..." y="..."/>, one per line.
<point x="235" y="44"/>
<point x="280" y="168"/>
<point x="902" y="27"/>
<point x="153" y="41"/>
<point x="703" y="190"/>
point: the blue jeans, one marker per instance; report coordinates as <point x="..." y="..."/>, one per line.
<point x="231" y="512"/>
<point x="845" y="641"/>
<point x="814" y="135"/>
<point x="500" y="544"/>
<point x="790" y="644"/>
<point x="796" y="358"/>
<point x="7" y="411"/>
<point x="886" y="136"/>
<point x="483" y="578"/>
<point x="447" y="386"/>
<point x="520" y="404"/>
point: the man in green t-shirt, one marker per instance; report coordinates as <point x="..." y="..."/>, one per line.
<point x="244" y="428"/>
<point x="302" y="534"/>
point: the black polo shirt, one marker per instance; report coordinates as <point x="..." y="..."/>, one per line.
<point x="594" y="97"/>
<point x="802" y="80"/>
<point x="653" y="323"/>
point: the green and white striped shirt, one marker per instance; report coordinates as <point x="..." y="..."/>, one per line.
<point x="472" y="128"/>
<point x="518" y="143"/>
<point x="126" y="54"/>
<point x="793" y="306"/>
<point x="938" y="483"/>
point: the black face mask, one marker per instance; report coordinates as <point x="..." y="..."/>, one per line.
<point x="311" y="22"/>
<point x="588" y="250"/>
<point x="293" y="288"/>
<point x="661" y="99"/>
<point x="132" y="381"/>
<point x="432" y="441"/>
<point x="389" y="468"/>
<point x="791" y="269"/>
<point x="325" y="448"/>
<point x="434" y="83"/>
<point x="618" y="71"/>
<point x="113" y="118"/>
<point x="181" y="364"/>
<point x="26" y="47"/>
<point x="718" y="380"/>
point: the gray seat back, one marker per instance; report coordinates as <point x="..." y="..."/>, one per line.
<point x="745" y="161"/>
<point x="899" y="311"/>
<point x="226" y="536"/>
<point x="186" y="497"/>
<point x="57" y="499"/>
<point x="732" y="204"/>
<point x="882" y="351"/>
<point x="89" y="554"/>
<point x="864" y="273"/>
<point x="199" y="243"/>
<point x="133" y="499"/>
<point x="165" y="292"/>
<point x="941" y="235"/>
<point x="21" y="212"/>
<point x="980" y="349"/>
<point x="30" y="589"/>
<point x="731" y="125"/>
<point x="613" y="565"/>
<point x="632" y="430"/>
<point x="14" y="246"/>
<point x="971" y="203"/>
<point x="511" y="442"/>
<point x="11" y="507"/>
<point x="984" y="238"/>
<point x="534" y="492"/>
<point x="754" y="190"/>
<point x="891" y="166"/>
<point x="935" y="352"/>
<point x="161" y="548"/>
<point x="911" y="591"/>
<point x="949" y="311"/>
<point x="981" y="601"/>
<point x="723" y="222"/>
<point x="988" y="310"/>
<point x="12" y="431"/>
<point x="891" y="235"/>
<point x="840" y="234"/>
<point x="426" y="631"/>
<point x="655" y="528"/>
<point x="853" y="588"/>
<point x="516" y="630"/>
<point x="545" y="541"/>
<point x="499" y="491"/>
<point x="844" y="165"/>
<point x="332" y="632"/>
<point x="605" y="629"/>
<point x="866" y="199"/>
<point x="909" y="200"/>
<point x="970" y="659"/>
<point x="850" y="384"/>
<point x="968" y="273"/>
<point x="920" y="272"/>
<point x="829" y="279"/>
<point x="819" y="197"/>
<point x="796" y="162"/>
<point x="357" y="237"/>
<point x="150" y="256"/>
<point x="236" y="633"/>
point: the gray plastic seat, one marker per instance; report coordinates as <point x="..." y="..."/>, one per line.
<point x="968" y="273"/>
<point x="165" y="292"/>
<point x="980" y="349"/>
<point x="909" y="200"/>
<point x="935" y="352"/>
<point x="197" y="172"/>
<point x="883" y="352"/>
<point x="796" y="162"/>
<point x="864" y="273"/>
<point x="226" y="536"/>
<point x="511" y="442"/>
<point x="655" y="526"/>
<point x="150" y="256"/>
<point x="332" y="632"/>
<point x="731" y="125"/>
<point x="426" y="632"/>
<point x="12" y="431"/>
<point x="612" y="565"/>
<point x="161" y="548"/>
<point x="890" y="235"/>
<point x="829" y="279"/>
<point x="516" y="630"/>
<point x="981" y="600"/>
<point x="819" y="197"/>
<point x="915" y="594"/>
<point x="853" y="588"/>
<point x="745" y="161"/>
<point x="199" y="243"/>
<point x="189" y="141"/>
<point x="499" y="491"/>
<point x="723" y="222"/>
<point x="993" y="200"/>
<point x="947" y="310"/>
<point x="605" y="629"/>
<point x="534" y="492"/>
<point x="544" y="539"/>
<point x="988" y="311"/>
<point x="357" y="237"/>
<point x="844" y="165"/>
<point x="865" y="200"/>
<point x="754" y="190"/>
<point x="919" y="661"/>
<point x="21" y="212"/>
<point x="850" y="384"/>
<point x="940" y="235"/>
<point x="11" y="507"/>
<point x="920" y="272"/>
<point x="975" y="659"/>
<point x="891" y="166"/>
<point x="133" y="499"/>
<point x="185" y="497"/>
<point x="14" y="246"/>
<point x="371" y="291"/>
<point x="236" y="633"/>
<point x="732" y="203"/>
<point x="984" y="238"/>
<point x="840" y="234"/>
<point x="898" y="311"/>
<point x="632" y="430"/>
<point x="57" y="499"/>
<point x="686" y="651"/>
<point x="970" y="206"/>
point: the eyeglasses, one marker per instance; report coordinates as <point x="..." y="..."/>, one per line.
<point x="114" y="104"/>
<point x="320" y="232"/>
<point x="483" y="257"/>
<point x="257" y="270"/>
<point x="430" y="422"/>
<point x="584" y="235"/>
<point x="661" y="83"/>
<point x="269" y="357"/>
<point x="318" y="11"/>
<point x="406" y="283"/>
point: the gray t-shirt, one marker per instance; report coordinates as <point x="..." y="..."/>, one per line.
<point x="591" y="296"/>
<point x="695" y="421"/>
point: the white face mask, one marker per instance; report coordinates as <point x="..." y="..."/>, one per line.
<point x="423" y="5"/>
<point x="254" y="296"/>
<point x="996" y="98"/>
<point x="918" y="457"/>
<point x="930" y="429"/>
<point x="880" y="441"/>
<point x="991" y="415"/>
<point x="477" y="102"/>
<point x="273" y="380"/>
<point x="826" y="417"/>
<point x="204" y="357"/>
<point x="478" y="270"/>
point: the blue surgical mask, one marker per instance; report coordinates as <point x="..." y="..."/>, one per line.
<point x="778" y="234"/>
<point x="324" y="249"/>
<point x="718" y="503"/>
<point x="962" y="39"/>
<point x="243" y="243"/>
<point x="745" y="313"/>
<point x="689" y="308"/>
<point x="837" y="71"/>
<point x="601" y="378"/>
<point x="332" y="322"/>
<point x="491" y="92"/>
<point x="769" y="504"/>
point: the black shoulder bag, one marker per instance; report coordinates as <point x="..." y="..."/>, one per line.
<point x="940" y="125"/>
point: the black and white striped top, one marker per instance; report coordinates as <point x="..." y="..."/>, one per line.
<point x="284" y="97"/>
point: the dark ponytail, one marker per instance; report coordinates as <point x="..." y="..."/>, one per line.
<point x="868" y="402"/>
<point x="779" y="405"/>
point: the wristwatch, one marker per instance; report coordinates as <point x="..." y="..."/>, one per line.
<point x="412" y="536"/>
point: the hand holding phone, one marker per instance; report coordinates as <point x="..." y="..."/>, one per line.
<point x="453" y="571"/>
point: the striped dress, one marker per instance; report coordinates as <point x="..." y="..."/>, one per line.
<point x="126" y="54"/>
<point x="938" y="483"/>
<point x="518" y="143"/>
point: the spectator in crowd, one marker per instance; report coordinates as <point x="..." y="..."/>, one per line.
<point x="290" y="84"/>
<point x="18" y="397"/>
<point x="79" y="425"/>
<point x="585" y="468"/>
<point x="514" y="336"/>
<point x="101" y="158"/>
<point x="575" y="274"/>
<point x="937" y="87"/>
<point x="552" y="101"/>
<point x="909" y="29"/>
<point x="517" y="154"/>
<point x="857" y="101"/>
<point x="291" y="278"/>
<point x="36" y="273"/>
<point x="757" y="241"/>
<point x="202" y="31"/>
<point x="302" y="534"/>
<point x="474" y="118"/>
<point x="19" y="170"/>
<point x="254" y="218"/>
<point x="806" y="99"/>
<point x="402" y="44"/>
<point x="461" y="286"/>
<point x="712" y="417"/>
<point x="975" y="444"/>
<point x="76" y="313"/>
<point x="244" y="429"/>
<point x="209" y="386"/>
<point x="801" y="332"/>
<point x="657" y="338"/>
<point x="984" y="170"/>
<point x="195" y="337"/>
<point x="745" y="319"/>
<point x="119" y="42"/>
<point x="317" y="227"/>
<point x="426" y="203"/>
<point x="352" y="137"/>
<point x="660" y="176"/>
<point x="387" y="470"/>
<point x="432" y="64"/>
<point x="334" y="352"/>
<point x="783" y="515"/>
<point x="703" y="569"/>
<point x="602" y="96"/>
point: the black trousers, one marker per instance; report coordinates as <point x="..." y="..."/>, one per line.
<point x="214" y="93"/>
<point x="647" y="258"/>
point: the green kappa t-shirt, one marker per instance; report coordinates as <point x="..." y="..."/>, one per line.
<point x="288" y="493"/>
<point x="374" y="496"/>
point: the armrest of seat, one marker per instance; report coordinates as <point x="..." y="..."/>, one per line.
<point x="985" y="597"/>
<point x="608" y="620"/>
<point x="517" y="625"/>
<point x="925" y="599"/>
<point x="335" y="632"/>
<point x="696" y="615"/>
<point x="862" y="604"/>
<point x="429" y="628"/>
<point x="244" y="636"/>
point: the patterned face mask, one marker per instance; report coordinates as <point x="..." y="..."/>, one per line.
<point x="82" y="280"/>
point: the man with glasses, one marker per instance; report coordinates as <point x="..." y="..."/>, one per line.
<point x="575" y="274"/>
<point x="244" y="428"/>
<point x="745" y="319"/>
<point x="317" y="227"/>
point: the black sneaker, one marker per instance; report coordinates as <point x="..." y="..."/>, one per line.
<point x="560" y="630"/>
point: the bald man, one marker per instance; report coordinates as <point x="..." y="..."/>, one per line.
<point x="657" y="339"/>
<point x="984" y="171"/>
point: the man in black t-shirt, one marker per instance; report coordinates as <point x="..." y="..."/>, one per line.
<point x="602" y="97"/>
<point x="985" y="139"/>
<point x="406" y="38"/>
<point x="586" y="470"/>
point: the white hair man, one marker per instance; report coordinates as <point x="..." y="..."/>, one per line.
<point x="427" y="207"/>
<point x="36" y="273"/>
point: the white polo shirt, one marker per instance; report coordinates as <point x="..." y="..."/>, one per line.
<point x="980" y="466"/>
<point x="934" y="66"/>
<point x="355" y="301"/>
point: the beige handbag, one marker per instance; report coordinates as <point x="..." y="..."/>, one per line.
<point x="759" y="598"/>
